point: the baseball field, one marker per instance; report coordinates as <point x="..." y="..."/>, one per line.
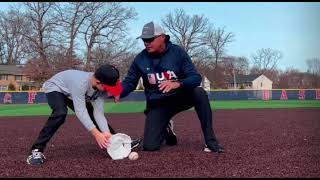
<point x="261" y="139"/>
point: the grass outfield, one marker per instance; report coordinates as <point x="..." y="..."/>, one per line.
<point x="127" y="107"/>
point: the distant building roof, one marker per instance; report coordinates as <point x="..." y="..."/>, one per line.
<point x="245" y="78"/>
<point x="11" y="69"/>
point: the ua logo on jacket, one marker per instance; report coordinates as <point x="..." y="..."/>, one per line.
<point x="157" y="78"/>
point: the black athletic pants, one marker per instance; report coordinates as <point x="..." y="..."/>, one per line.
<point x="58" y="102"/>
<point x="160" y="112"/>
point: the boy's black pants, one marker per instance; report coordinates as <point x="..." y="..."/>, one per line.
<point x="58" y="102"/>
<point x="160" y="112"/>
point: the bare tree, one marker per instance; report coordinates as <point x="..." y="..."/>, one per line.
<point x="2" y="51"/>
<point x="217" y="39"/>
<point x="12" y="43"/>
<point x="187" y="31"/>
<point x="314" y="70"/>
<point x="37" y="70"/>
<point x="292" y="78"/>
<point x="39" y="26"/>
<point x="3" y="59"/>
<point x="107" y="25"/>
<point x="242" y="65"/>
<point x="202" y="60"/>
<point x="230" y="68"/>
<point x="266" y="59"/>
<point x="109" y="53"/>
<point x="198" y="38"/>
<point x="72" y="16"/>
<point x="313" y="65"/>
<point x="235" y="65"/>
<point x="124" y="63"/>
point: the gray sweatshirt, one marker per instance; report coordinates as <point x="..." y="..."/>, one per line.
<point x="76" y="85"/>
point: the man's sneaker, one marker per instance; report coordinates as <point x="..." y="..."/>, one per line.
<point x="36" y="157"/>
<point x="171" y="138"/>
<point x="135" y="143"/>
<point x="216" y="149"/>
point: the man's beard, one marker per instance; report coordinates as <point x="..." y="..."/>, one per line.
<point x="95" y="88"/>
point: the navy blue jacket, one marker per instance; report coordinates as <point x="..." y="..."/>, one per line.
<point x="173" y="64"/>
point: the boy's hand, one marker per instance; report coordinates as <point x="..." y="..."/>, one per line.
<point x="101" y="138"/>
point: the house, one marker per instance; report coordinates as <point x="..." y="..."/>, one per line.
<point x="13" y="74"/>
<point x="253" y="81"/>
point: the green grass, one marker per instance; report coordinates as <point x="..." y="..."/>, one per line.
<point x="126" y="107"/>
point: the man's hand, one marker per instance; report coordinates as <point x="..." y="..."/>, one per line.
<point x="115" y="98"/>
<point x="101" y="138"/>
<point x="168" y="86"/>
<point x="114" y="91"/>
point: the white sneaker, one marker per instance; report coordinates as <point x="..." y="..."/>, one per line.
<point x="171" y="138"/>
<point x="218" y="149"/>
<point x="36" y="157"/>
<point x="206" y="149"/>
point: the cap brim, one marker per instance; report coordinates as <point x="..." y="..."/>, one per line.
<point x="146" y="37"/>
<point x="114" y="90"/>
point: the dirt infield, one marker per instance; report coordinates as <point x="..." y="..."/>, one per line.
<point x="258" y="143"/>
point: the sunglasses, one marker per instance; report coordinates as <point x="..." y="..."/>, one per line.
<point x="149" y="40"/>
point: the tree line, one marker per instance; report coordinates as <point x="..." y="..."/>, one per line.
<point x="48" y="37"/>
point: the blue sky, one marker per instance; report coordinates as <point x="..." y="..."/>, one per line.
<point x="290" y="27"/>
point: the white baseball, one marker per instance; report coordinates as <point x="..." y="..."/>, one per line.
<point x="133" y="155"/>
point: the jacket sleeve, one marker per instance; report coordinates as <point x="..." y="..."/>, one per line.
<point x="191" y="78"/>
<point x="130" y="82"/>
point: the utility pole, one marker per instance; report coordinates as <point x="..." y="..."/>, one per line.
<point x="234" y="79"/>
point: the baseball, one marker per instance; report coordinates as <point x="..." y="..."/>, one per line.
<point x="133" y="155"/>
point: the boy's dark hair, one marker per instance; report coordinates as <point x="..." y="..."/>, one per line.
<point x="107" y="74"/>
